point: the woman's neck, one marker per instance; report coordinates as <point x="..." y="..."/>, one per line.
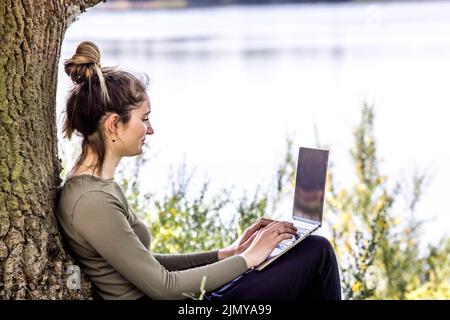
<point x="87" y="166"/>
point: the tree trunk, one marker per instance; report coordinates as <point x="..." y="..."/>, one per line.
<point x="34" y="262"/>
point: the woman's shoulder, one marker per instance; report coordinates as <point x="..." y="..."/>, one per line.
<point x="88" y="188"/>
<point x="88" y="177"/>
<point x="88" y="182"/>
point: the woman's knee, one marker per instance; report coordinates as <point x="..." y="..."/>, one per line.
<point x="319" y="244"/>
<point x="313" y="248"/>
<point x="320" y="241"/>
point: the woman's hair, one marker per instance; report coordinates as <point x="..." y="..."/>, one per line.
<point x="97" y="92"/>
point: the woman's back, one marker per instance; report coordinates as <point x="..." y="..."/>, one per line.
<point x="96" y="194"/>
<point x="112" y="244"/>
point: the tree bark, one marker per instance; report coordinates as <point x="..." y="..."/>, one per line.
<point x="34" y="261"/>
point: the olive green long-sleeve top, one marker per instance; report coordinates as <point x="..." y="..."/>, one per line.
<point x="112" y="247"/>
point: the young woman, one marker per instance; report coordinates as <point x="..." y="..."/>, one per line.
<point x="109" y="109"/>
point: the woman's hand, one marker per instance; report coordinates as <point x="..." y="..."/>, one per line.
<point x="265" y="240"/>
<point x="245" y="240"/>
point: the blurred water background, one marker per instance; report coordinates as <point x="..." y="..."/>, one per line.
<point x="228" y="84"/>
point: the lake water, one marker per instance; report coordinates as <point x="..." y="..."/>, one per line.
<point x="228" y="84"/>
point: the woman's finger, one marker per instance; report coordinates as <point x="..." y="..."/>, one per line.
<point x="250" y="231"/>
<point x="250" y="240"/>
<point x="270" y="225"/>
<point x="281" y="237"/>
<point x="253" y="228"/>
<point x="282" y="227"/>
<point x="260" y="223"/>
<point x="265" y="221"/>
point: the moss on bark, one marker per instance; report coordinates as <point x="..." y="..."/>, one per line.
<point x="33" y="259"/>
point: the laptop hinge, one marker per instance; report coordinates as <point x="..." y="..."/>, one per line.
<point x="307" y="220"/>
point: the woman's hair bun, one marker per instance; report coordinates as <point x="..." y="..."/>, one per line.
<point x="84" y="64"/>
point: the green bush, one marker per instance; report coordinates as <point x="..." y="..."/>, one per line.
<point x="378" y="253"/>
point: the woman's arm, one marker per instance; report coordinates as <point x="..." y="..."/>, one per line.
<point x="100" y="219"/>
<point x="182" y="261"/>
<point x="191" y="260"/>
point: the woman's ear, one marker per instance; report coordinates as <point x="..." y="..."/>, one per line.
<point x="112" y="123"/>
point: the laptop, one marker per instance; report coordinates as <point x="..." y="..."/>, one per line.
<point x="309" y="197"/>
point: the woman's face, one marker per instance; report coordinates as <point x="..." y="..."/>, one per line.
<point x="132" y="135"/>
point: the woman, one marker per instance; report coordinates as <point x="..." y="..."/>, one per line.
<point x="109" y="108"/>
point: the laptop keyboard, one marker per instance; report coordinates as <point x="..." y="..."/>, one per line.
<point x="286" y="243"/>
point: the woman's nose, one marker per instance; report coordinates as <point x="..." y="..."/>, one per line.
<point x="150" y="130"/>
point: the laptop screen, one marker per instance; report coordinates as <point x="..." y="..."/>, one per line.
<point x="310" y="184"/>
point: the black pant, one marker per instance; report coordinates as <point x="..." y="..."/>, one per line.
<point x="307" y="271"/>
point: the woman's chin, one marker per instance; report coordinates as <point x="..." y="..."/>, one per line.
<point x="141" y="150"/>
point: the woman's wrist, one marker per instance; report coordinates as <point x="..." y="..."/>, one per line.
<point x="247" y="259"/>
<point x="225" y="253"/>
